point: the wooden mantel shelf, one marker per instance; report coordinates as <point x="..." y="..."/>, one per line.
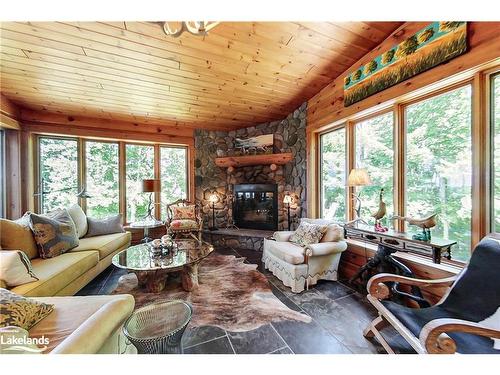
<point x="242" y="161"/>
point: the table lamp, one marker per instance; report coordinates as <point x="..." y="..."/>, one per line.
<point x="358" y="177"/>
<point x="150" y="186"/>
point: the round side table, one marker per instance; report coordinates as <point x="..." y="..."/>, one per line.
<point x="157" y="328"/>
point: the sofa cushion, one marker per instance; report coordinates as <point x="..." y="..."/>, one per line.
<point x="17" y="235"/>
<point x="307" y="234"/>
<point x="55" y="233"/>
<point x="287" y="251"/>
<point x="100" y="227"/>
<point x="184" y="212"/>
<point x="56" y="273"/>
<point x="82" y="324"/>
<point x="105" y="245"/>
<point x="183" y="224"/>
<point x="334" y="233"/>
<point x="80" y="220"/>
<point x="20" y="311"/>
<point x="15" y="268"/>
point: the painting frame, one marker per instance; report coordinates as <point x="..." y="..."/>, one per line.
<point x="431" y="46"/>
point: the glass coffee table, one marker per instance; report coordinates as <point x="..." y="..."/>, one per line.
<point x="152" y="269"/>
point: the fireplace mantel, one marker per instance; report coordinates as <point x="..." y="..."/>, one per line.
<point x="247" y="160"/>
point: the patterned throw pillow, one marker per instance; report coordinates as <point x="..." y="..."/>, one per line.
<point x="15" y="268"/>
<point x="54" y="235"/>
<point x="184" y="212"/>
<point x="20" y="311"/>
<point x="307" y="234"/>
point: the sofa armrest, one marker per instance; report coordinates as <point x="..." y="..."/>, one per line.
<point x="93" y="333"/>
<point x="283" y="236"/>
<point x="326" y="248"/>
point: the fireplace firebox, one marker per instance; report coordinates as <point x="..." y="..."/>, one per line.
<point x="256" y="206"/>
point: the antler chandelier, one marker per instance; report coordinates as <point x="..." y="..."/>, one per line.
<point x="200" y="28"/>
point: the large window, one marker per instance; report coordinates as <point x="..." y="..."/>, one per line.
<point x="173" y="171"/>
<point x="495" y="119"/>
<point x="375" y="152"/>
<point x="102" y="175"/>
<point x="58" y="173"/>
<point x="333" y="175"/>
<point x="140" y="166"/>
<point x="439" y="165"/>
<point x="66" y="165"/>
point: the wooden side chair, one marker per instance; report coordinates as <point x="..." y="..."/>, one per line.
<point x="466" y="320"/>
<point x="184" y="219"/>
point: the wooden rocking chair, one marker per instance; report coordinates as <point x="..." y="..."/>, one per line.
<point x="466" y="320"/>
<point x="184" y="219"/>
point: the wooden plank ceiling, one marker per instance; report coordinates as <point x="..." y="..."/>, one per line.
<point x="242" y="73"/>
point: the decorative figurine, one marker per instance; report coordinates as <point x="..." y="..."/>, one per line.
<point x="380" y="213"/>
<point x="425" y="223"/>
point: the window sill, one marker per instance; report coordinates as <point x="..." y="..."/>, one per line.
<point x="452" y="267"/>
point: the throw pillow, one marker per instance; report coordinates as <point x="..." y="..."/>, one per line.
<point x="15" y="268"/>
<point x="184" y="212"/>
<point x="17" y="235"/>
<point x="334" y="233"/>
<point x="307" y="234"/>
<point x="79" y="218"/>
<point x="20" y="311"/>
<point x="110" y="225"/>
<point x="54" y="235"/>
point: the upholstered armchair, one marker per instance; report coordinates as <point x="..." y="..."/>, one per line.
<point x="298" y="267"/>
<point x="466" y="320"/>
<point x="184" y="219"/>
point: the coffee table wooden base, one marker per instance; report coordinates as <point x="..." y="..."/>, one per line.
<point x="189" y="277"/>
<point x="152" y="281"/>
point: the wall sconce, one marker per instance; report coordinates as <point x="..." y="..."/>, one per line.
<point x="287" y="200"/>
<point x="213" y="198"/>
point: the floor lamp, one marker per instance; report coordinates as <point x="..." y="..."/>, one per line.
<point x="287" y="200"/>
<point x="213" y="198"/>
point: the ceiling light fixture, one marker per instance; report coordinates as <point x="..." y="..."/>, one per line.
<point x="200" y="28"/>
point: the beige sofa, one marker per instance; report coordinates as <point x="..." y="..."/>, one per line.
<point x="65" y="274"/>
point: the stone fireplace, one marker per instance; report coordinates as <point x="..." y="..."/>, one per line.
<point x="255" y="206"/>
<point x="289" y="136"/>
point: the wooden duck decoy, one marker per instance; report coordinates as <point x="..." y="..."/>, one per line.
<point x="382" y="210"/>
<point x="425" y="223"/>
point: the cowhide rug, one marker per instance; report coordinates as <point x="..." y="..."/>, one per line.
<point x="232" y="295"/>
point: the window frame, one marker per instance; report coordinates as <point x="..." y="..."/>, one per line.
<point x="482" y="169"/>
<point x="3" y="176"/>
<point x="343" y="127"/>
<point x="403" y="106"/>
<point x="490" y="77"/>
<point x="82" y="170"/>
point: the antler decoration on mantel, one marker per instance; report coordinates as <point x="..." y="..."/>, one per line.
<point x="200" y="28"/>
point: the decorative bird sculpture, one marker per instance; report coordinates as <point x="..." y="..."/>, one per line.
<point x="382" y="210"/>
<point x="425" y="223"/>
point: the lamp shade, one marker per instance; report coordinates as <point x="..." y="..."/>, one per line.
<point x="213" y="198"/>
<point x="359" y="177"/>
<point x="150" y="186"/>
<point x="287" y="199"/>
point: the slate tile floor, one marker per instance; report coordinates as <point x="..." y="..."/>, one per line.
<point x="339" y="315"/>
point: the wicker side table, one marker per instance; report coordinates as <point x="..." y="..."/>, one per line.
<point x="157" y="328"/>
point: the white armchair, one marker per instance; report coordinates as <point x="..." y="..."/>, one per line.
<point x="298" y="267"/>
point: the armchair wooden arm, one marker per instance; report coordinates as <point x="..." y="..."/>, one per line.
<point x="433" y="335"/>
<point x="379" y="290"/>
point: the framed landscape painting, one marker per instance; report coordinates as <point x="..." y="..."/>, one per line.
<point x="434" y="44"/>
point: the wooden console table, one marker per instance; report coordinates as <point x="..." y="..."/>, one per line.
<point x="436" y="247"/>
